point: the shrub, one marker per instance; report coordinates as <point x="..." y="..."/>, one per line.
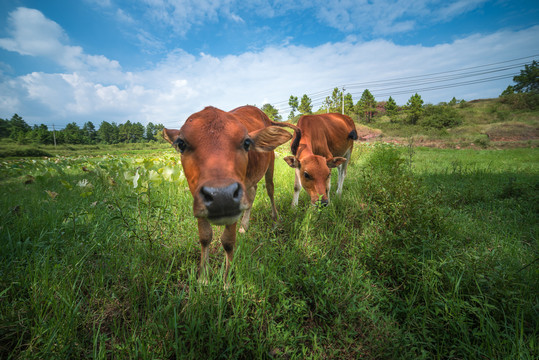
<point x="440" y="116"/>
<point x="521" y="101"/>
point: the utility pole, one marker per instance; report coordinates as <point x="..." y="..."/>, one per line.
<point x="54" y="135"/>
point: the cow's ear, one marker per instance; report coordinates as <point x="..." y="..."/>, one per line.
<point x="292" y="161"/>
<point x="170" y="135"/>
<point x="335" y="161"/>
<point x="269" y="138"/>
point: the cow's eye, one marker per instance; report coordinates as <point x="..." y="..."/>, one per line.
<point x="307" y="176"/>
<point x="180" y="144"/>
<point x="247" y="144"/>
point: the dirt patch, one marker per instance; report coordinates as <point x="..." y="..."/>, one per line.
<point x="497" y="136"/>
<point x="512" y="132"/>
<point x="366" y="133"/>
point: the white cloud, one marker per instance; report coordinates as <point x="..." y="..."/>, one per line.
<point x="34" y="35"/>
<point x="181" y="15"/>
<point x="379" y="17"/>
<point x="389" y="16"/>
<point x="457" y="8"/>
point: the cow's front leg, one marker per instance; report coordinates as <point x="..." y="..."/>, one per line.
<point x="270" y="189"/>
<point x="228" y="239"/>
<point x="251" y="194"/>
<point x="342" y="173"/>
<point x="205" y="236"/>
<point x="297" y="188"/>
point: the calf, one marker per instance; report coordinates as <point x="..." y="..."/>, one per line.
<point x="326" y="142"/>
<point x="224" y="155"/>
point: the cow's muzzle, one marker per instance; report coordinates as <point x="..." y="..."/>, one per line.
<point x="223" y="204"/>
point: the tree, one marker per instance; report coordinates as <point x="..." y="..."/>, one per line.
<point x="158" y="129"/>
<point x="326" y="104"/>
<point x="18" y="128"/>
<point x="366" y="105"/>
<point x="131" y="132"/>
<point x="415" y="108"/>
<point x="124" y="131"/>
<point x="108" y="133"/>
<point x="41" y="134"/>
<point x="89" y="133"/>
<point x="72" y="134"/>
<point x="509" y="91"/>
<point x="272" y="112"/>
<point x="349" y="108"/>
<point x="152" y="130"/>
<point x="528" y="80"/>
<point x="4" y="128"/>
<point x="293" y="102"/>
<point x="391" y="108"/>
<point x="335" y="103"/>
<point x="305" y="107"/>
<point x="137" y="132"/>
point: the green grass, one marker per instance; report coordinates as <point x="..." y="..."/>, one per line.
<point x="11" y="150"/>
<point x="428" y="254"/>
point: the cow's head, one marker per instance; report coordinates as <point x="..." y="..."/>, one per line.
<point x="314" y="172"/>
<point x="214" y="148"/>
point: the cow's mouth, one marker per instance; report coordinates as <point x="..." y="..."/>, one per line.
<point x="224" y="219"/>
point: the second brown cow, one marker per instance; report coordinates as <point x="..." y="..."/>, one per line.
<point x="326" y="142"/>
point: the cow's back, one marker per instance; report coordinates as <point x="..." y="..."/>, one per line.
<point x="327" y="133"/>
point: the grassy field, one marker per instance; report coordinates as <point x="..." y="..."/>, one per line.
<point x="430" y="253"/>
<point x="12" y="150"/>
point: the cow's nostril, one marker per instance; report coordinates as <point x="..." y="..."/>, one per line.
<point x="237" y="191"/>
<point x="207" y="195"/>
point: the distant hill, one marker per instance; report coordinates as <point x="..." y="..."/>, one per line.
<point x="484" y="123"/>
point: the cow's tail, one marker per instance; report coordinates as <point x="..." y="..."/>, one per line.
<point x="297" y="134"/>
<point x="353" y="135"/>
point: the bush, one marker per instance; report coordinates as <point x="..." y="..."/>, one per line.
<point x="521" y="101"/>
<point x="440" y="116"/>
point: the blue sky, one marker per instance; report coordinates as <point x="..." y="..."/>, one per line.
<point x="161" y="60"/>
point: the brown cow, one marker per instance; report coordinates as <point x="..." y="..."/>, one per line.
<point x="326" y="142"/>
<point x="224" y="155"/>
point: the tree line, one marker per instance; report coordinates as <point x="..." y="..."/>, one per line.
<point x="524" y="95"/>
<point x="108" y="133"/>
<point x="367" y="109"/>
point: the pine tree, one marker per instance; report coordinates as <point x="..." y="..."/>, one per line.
<point x="305" y="106"/>
<point x="415" y="108"/>
<point x="348" y="104"/>
<point x="391" y="108"/>
<point x="366" y="105"/>
<point x="293" y="103"/>
<point x="336" y="101"/>
<point x="272" y="112"/>
<point x="528" y="80"/>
